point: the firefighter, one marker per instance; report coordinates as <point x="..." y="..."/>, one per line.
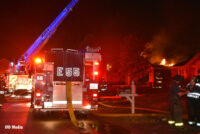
<point x="175" y="105"/>
<point x="193" y="101"/>
<point x="2" y="86"/>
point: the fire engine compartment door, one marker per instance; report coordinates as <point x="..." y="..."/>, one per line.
<point x="68" y="66"/>
<point x="59" y="94"/>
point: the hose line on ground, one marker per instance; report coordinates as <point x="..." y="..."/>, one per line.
<point x="69" y="103"/>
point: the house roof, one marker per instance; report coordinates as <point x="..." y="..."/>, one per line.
<point x="189" y="61"/>
<point x="195" y="58"/>
<point x="159" y="66"/>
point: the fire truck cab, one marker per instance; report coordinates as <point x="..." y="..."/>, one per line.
<point x="55" y="69"/>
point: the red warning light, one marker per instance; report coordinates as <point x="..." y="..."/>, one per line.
<point x="96" y="73"/>
<point x="38" y="60"/>
<point x="96" y="63"/>
<point x="95" y="95"/>
<point x="38" y="94"/>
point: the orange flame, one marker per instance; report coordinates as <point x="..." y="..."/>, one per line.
<point x="171" y="65"/>
<point x="163" y="62"/>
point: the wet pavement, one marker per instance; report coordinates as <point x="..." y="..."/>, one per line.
<point x="16" y="118"/>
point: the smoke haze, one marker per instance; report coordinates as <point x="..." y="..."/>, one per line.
<point x="178" y="38"/>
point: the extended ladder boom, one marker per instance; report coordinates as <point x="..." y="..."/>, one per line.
<point x="44" y="37"/>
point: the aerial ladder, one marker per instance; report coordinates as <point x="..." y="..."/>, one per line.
<point x="21" y="68"/>
<point x="45" y="36"/>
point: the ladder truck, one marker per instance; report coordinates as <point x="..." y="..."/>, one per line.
<point x="18" y="77"/>
<point x="51" y="72"/>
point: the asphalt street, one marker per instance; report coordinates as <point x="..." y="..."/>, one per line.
<point x="16" y="118"/>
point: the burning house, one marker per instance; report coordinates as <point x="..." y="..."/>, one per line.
<point x="160" y="75"/>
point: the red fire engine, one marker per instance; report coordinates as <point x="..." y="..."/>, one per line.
<point x="51" y="73"/>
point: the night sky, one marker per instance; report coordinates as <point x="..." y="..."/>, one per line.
<point x="167" y="28"/>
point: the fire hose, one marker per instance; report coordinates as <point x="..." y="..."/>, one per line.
<point x="138" y="108"/>
<point x="69" y="104"/>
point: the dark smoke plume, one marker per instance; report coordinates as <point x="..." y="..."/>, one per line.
<point x="178" y="39"/>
